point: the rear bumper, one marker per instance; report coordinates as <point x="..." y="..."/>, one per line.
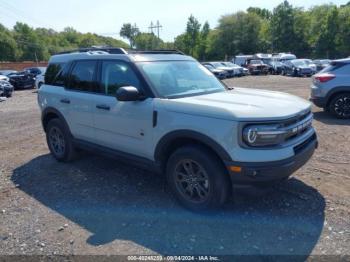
<point x="319" y="101"/>
<point x="255" y="173"/>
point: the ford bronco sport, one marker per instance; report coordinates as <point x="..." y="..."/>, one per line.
<point x="165" y="111"/>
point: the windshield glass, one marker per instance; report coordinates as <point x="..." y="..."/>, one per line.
<point x="180" y="78"/>
<point x="216" y="64"/>
<point x="256" y="62"/>
<point x="299" y="63"/>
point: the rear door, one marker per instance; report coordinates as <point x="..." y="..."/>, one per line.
<point x="79" y="94"/>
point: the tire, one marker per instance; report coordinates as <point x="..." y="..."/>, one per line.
<point x="59" y="141"/>
<point x="340" y="106"/>
<point x="210" y="186"/>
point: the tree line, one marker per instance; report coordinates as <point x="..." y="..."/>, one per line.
<point x="322" y="31"/>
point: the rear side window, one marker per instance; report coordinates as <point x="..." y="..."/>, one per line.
<point x="339" y="67"/>
<point x="82" y="76"/>
<point x="116" y="74"/>
<point x="52" y="72"/>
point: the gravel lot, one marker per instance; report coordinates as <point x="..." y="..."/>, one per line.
<point x="99" y="206"/>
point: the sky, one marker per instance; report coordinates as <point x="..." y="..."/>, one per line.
<point x="106" y="17"/>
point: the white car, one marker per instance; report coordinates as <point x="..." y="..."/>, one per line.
<point x="168" y="113"/>
<point x="311" y="64"/>
<point x="40" y="79"/>
<point x="238" y="70"/>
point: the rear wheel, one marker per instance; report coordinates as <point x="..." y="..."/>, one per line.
<point x="197" y="178"/>
<point x="340" y="106"/>
<point x="59" y="141"/>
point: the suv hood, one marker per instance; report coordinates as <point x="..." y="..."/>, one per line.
<point x="241" y="104"/>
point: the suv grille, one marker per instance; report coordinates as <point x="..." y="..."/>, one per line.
<point x="297" y="126"/>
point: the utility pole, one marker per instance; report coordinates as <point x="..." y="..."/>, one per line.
<point x="157" y="26"/>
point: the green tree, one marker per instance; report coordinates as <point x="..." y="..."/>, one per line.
<point x="261" y="12"/>
<point x="28" y="42"/>
<point x="282" y="27"/>
<point x="203" y="42"/>
<point x="129" y="32"/>
<point x="192" y="36"/>
<point x="8" y="46"/>
<point x="148" y="41"/>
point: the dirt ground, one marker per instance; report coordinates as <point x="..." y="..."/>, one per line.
<point x="99" y="206"/>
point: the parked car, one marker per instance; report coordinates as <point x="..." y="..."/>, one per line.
<point x="4" y="78"/>
<point x="219" y="73"/>
<point x="40" y="79"/>
<point x="163" y="112"/>
<point x="237" y="70"/>
<point x="311" y="64"/>
<point x="331" y="88"/>
<point x="276" y="67"/>
<point x="297" y="67"/>
<point x="6" y="89"/>
<point x="22" y="80"/>
<point x="35" y="71"/>
<point x="257" y="67"/>
<point x="321" y="64"/>
<point x="282" y="57"/>
<point x="241" y="60"/>
<point x="218" y="65"/>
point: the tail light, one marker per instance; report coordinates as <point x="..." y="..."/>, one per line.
<point x="322" y="78"/>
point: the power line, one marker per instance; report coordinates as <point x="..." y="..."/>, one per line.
<point x="20" y="14"/>
<point x="156" y="26"/>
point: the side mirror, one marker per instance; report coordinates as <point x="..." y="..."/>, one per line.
<point x="128" y="94"/>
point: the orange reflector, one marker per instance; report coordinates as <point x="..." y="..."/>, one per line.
<point x="236" y="169"/>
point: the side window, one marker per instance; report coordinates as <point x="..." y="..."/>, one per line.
<point x="52" y="73"/>
<point x="82" y="76"/>
<point x="116" y="74"/>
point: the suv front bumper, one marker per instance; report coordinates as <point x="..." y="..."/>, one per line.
<point x="262" y="172"/>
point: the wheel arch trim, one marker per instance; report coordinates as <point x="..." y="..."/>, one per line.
<point x="168" y="138"/>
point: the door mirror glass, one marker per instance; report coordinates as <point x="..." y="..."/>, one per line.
<point x="128" y="93"/>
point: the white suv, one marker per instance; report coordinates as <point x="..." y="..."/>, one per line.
<point x="166" y="112"/>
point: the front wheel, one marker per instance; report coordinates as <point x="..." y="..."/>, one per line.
<point x="197" y="178"/>
<point x="340" y="106"/>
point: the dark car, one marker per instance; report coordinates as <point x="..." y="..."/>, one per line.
<point x="22" y="80"/>
<point x="257" y="67"/>
<point x="297" y="67"/>
<point x="276" y="67"/>
<point x="35" y="70"/>
<point x="321" y="64"/>
<point x="219" y="73"/>
<point x="6" y="89"/>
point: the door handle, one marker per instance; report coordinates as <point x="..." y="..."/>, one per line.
<point x="103" y="107"/>
<point x="65" y="101"/>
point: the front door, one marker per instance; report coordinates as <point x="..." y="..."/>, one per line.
<point x="123" y="126"/>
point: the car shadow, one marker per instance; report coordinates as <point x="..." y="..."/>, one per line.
<point x="115" y="201"/>
<point x="328" y="119"/>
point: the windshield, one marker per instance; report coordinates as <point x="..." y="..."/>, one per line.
<point x="180" y="78"/>
<point x="299" y="63"/>
<point x="256" y="62"/>
<point x="216" y="64"/>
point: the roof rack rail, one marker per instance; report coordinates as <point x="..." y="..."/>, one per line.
<point x="110" y="50"/>
<point x="162" y="51"/>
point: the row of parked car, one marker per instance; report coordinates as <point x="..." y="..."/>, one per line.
<point x="282" y="64"/>
<point x="11" y="80"/>
<point x="224" y="70"/>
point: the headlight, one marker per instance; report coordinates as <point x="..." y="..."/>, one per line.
<point x="268" y="135"/>
<point x="259" y="135"/>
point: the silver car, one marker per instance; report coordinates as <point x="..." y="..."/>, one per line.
<point x="331" y="88"/>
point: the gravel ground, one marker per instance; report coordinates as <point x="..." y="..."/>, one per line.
<point x="99" y="206"/>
